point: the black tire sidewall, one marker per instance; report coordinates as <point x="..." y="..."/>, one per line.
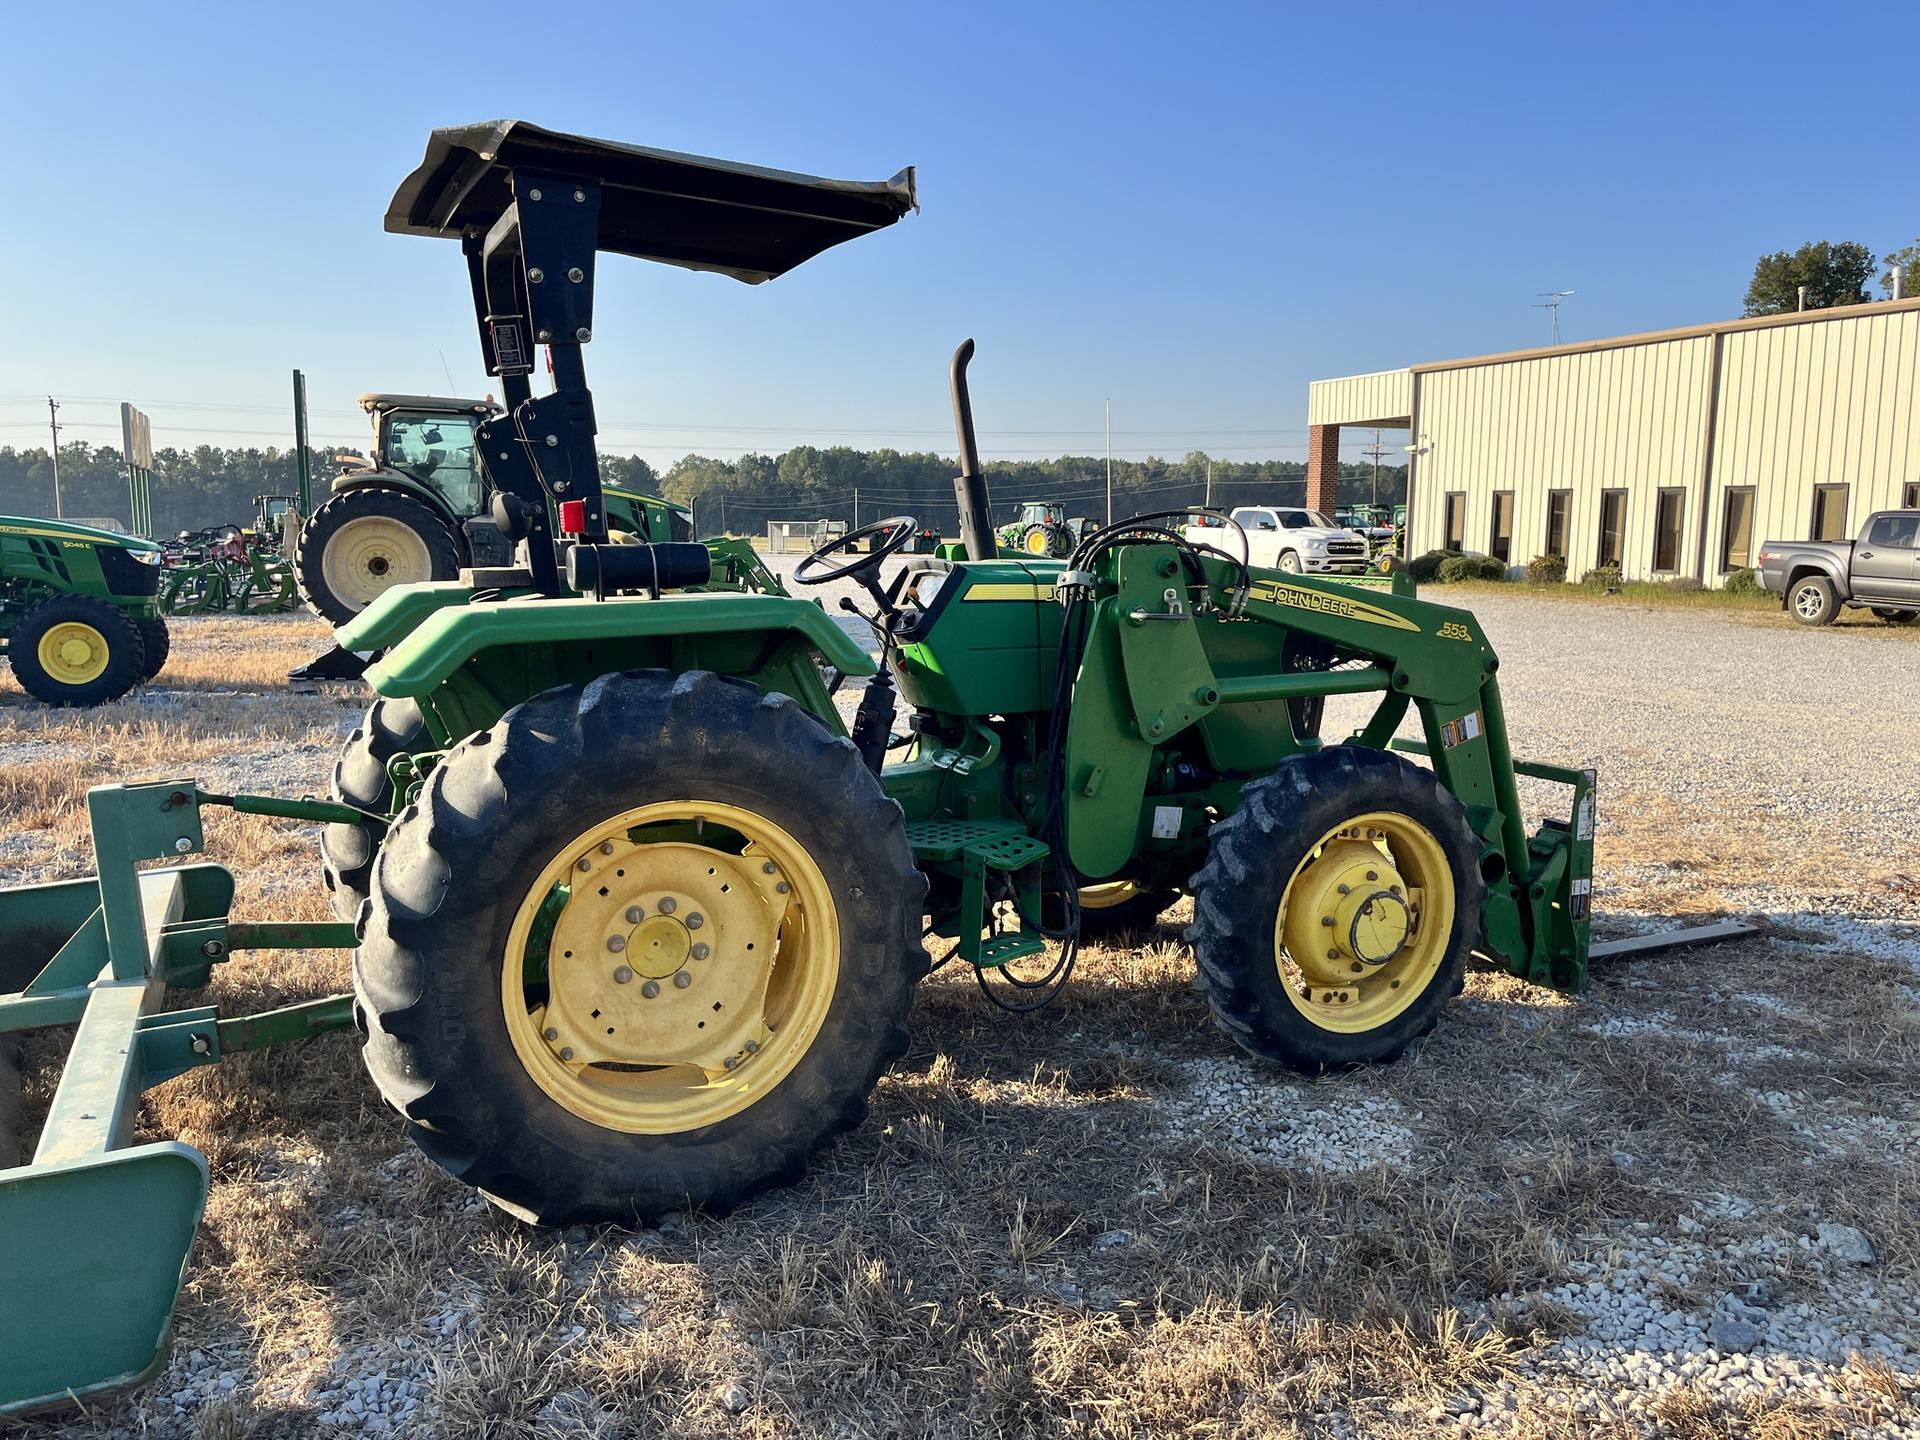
<point x="126" y="653"/>
<point x="541" y="1161"/>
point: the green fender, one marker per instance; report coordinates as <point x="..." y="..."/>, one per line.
<point x="451" y="635"/>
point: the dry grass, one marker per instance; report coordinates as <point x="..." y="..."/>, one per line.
<point x="943" y="1270"/>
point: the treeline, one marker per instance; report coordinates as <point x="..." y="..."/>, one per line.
<point x="212" y="486"/>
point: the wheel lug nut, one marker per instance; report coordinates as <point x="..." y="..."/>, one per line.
<point x="731" y="1061"/>
<point x="636" y="913"/>
<point x="1346" y="889"/>
<point x="700" y="952"/>
<point x="650" y="989"/>
<point x="616" y="943"/>
<point x="622" y="975"/>
<point x="767" y="869"/>
<point x="753" y="1047"/>
<point x="1333" y="954"/>
<point x="1373" y="874"/>
<point x="681" y="980"/>
<point x="551" y="1033"/>
<point x="584" y="865"/>
<point x="1326" y="920"/>
<point x="606" y="847"/>
<point x="566" y="1052"/>
<point x="669" y="905"/>
<point x="783" y="887"/>
<point x="695" y="920"/>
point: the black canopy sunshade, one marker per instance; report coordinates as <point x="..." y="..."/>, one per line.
<point x="740" y="220"/>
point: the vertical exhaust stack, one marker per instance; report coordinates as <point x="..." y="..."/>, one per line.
<point x="970" y="485"/>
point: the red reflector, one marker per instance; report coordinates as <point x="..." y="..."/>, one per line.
<point x="573" y="517"/>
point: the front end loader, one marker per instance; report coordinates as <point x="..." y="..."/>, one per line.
<point x="636" y="919"/>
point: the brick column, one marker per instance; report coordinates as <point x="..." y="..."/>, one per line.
<point x="1323" y="468"/>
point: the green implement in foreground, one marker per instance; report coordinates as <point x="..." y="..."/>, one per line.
<point x="638" y="918"/>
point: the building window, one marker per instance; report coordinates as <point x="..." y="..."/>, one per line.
<point x="1559" y="510"/>
<point x="1910" y="497"/>
<point x="1500" y="542"/>
<point x="1456" y="536"/>
<point x="1666" y="530"/>
<point x="1736" y="533"/>
<point x="1613" y="527"/>
<point x="1829" y="512"/>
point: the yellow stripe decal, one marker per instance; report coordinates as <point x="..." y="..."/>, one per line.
<point x="1298" y="597"/>
<point x="1008" y="590"/>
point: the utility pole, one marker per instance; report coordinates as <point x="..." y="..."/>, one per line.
<point x="1209" y="500"/>
<point x="53" y="418"/>
<point x="856" y="507"/>
<point x="1109" y="462"/>
<point x="1376" y="451"/>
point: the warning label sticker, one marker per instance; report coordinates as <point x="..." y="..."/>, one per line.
<point x="1582" y="898"/>
<point x="1458" y="732"/>
<point x="1586" y="817"/>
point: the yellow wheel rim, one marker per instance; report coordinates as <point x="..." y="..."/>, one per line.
<point x="1037" y="543"/>
<point x="1364" y="922"/>
<point x="670" y="966"/>
<point x="367" y="557"/>
<point x="1108" y="895"/>
<point x="74" y="653"/>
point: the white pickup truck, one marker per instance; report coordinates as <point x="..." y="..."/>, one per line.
<point x="1286" y="537"/>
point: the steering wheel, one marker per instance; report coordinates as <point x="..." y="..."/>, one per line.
<point x="895" y="531"/>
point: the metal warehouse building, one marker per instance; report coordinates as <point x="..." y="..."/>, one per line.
<point x="1674" y="453"/>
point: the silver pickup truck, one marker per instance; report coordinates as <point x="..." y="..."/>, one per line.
<point x="1879" y="572"/>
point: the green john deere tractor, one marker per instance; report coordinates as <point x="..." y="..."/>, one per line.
<point x="1042" y="529"/>
<point x="420" y="509"/>
<point x="79" y="618"/>
<point x="638" y="919"/>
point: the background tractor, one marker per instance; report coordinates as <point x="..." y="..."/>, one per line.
<point x="638" y="919"/>
<point x="79" y="615"/>
<point x="1042" y="529"/>
<point x="420" y="509"/>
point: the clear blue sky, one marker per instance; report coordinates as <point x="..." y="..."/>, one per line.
<point x="1190" y="209"/>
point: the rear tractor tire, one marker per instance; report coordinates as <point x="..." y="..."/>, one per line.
<point x="640" y="946"/>
<point x="1813" y="600"/>
<point x="76" y="650"/>
<point x="157" y="645"/>
<point x="361" y="544"/>
<point x="1336" y="910"/>
<point x="390" y="728"/>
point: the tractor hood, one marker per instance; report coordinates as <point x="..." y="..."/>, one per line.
<point x="33" y="525"/>
<point x="741" y="220"/>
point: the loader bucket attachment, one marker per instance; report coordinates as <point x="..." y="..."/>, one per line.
<point x="91" y="1270"/>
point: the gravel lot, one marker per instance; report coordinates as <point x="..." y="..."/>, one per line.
<point x="1680" y="1204"/>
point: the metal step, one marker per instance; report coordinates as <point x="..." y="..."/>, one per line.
<point x="998" y="950"/>
<point x="996" y="844"/>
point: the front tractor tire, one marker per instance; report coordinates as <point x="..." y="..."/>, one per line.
<point x="76" y="650"/>
<point x="641" y="946"/>
<point x="1336" y="910"/>
<point x="362" y="543"/>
